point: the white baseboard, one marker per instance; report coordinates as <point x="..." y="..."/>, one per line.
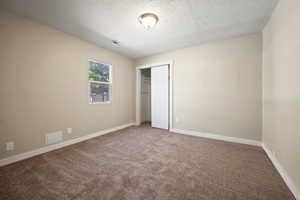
<point x="275" y="162"/>
<point x="283" y="173"/>
<point x="45" y="149"/>
<point x="217" y="137"/>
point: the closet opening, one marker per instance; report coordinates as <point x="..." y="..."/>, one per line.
<point x="154" y="95"/>
<point x="145" y="96"/>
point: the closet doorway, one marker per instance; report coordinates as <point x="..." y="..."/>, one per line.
<point x="154" y="95"/>
<point x="145" y="96"/>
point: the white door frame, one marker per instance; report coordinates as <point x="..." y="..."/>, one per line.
<point x="138" y="91"/>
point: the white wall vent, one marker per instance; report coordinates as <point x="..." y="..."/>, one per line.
<point x="54" y="137"/>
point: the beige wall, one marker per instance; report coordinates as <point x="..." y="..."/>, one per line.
<point x="281" y="86"/>
<point x="44" y="88"/>
<point x="217" y="87"/>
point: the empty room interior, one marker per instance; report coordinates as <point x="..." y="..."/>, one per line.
<point x="150" y="100"/>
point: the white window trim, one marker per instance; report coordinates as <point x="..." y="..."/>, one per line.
<point x="100" y="82"/>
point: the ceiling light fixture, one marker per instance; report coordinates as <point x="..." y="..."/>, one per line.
<point x="148" y="20"/>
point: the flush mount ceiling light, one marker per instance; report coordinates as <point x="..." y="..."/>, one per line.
<point x="148" y="20"/>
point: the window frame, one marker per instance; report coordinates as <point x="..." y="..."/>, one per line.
<point x="100" y="82"/>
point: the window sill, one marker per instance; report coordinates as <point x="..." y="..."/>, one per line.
<point x="107" y="102"/>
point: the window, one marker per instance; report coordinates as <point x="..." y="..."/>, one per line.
<point x="99" y="82"/>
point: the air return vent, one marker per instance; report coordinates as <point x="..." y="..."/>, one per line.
<point x="54" y="137"/>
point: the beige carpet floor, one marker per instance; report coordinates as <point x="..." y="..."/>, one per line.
<point x="141" y="163"/>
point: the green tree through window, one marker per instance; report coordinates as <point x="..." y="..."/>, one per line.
<point x="99" y="72"/>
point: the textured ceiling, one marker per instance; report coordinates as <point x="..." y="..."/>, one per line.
<point x="182" y="22"/>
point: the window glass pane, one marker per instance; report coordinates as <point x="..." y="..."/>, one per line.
<point x="99" y="72"/>
<point x="99" y="92"/>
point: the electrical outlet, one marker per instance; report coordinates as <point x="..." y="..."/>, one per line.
<point x="176" y="119"/>
<point x="69" y="130"/>
<point x="10" y="146"/>
<point x="275" y="154"/>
